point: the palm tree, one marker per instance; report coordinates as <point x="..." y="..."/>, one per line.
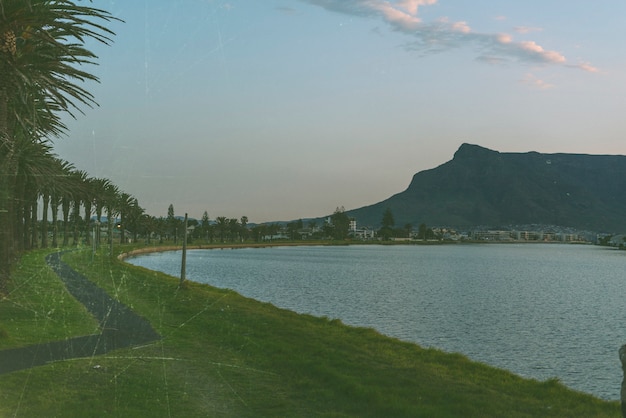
<point x="135" y="216"/>
<point x="57" y="189"/>
<point x="41" y="43"/>
<point x="111" y="199"/>
<point x="233" y="227"/>
<point x="45" y="200"/>
<point x="126" y="204"/>
<point x="205" y="225"/>
<point x="79" y="185"/>
<point x="72" y="186"/>
<point x="88" y="200"/>
<point x="33" y="164"/>
<point x="161" y="226"/>
<point x="146" y="226"/>
<point x="41" y="59"/>
<point x="99" y="188"/>
<point x="38" y="169"/>
<point x="244" y="228"/>
<point x="66" y="197"/>
<point x="172" y="223"/>
<point x="272" y="230"/>
<point x="259" y="232"/>
<point x="221" y="223"/>
<point x="49" y="189"/>
<point x="55" y="201"/>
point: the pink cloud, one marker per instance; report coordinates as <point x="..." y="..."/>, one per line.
<point x="397" y="17"/>
<point x="504" y="38"/>
<point x="587" y="67"/>
<point x="527" y="29"/>
<point x="461" y="27"/>
<point x="537" y="50"/>
<point x="441" y="35"/>
<point x="412" y="6"/>
<point x="533" y="81"/>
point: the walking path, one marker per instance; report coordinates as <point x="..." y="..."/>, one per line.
<point x="120" y="327"/>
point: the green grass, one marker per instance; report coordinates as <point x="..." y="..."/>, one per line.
<point x="228" y="356"/>
<point x="38" y="307"/>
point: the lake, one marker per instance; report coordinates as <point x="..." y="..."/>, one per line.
<point x="538" y="310"/>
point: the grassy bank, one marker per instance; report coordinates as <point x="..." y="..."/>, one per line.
<point x="226" y="355"/>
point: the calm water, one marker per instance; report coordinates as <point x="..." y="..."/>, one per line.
<point x="541" y="311"/>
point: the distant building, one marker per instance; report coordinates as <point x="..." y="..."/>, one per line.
<point x="362" y="233"/>
<point x="492" y="235"/>
<point x="539" y="236"/>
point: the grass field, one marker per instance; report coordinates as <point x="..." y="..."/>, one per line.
<point x="224" y="355"/>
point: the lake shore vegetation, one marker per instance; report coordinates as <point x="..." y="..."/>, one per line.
<point x="222" y="354"/>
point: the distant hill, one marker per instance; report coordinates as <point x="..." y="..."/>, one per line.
<point x="485" y="187"/>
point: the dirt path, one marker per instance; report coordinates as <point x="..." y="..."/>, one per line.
<point x="120" y="327"/>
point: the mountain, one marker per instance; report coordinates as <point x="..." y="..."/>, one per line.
<point x="480" y="186"/>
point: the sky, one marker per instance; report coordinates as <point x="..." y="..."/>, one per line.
<point x="285" y="109"/>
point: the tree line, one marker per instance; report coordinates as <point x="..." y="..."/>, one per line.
<point x="388" y="229"/>
<point x="222" y="230"/>
<point x="42" y="63"/>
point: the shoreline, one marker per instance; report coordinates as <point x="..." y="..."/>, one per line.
<point x="164" y="248"/>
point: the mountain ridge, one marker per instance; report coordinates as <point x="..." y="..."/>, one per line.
<point x="480" y="186"/>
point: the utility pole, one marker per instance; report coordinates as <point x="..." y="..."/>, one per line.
<point x="184" y="261"/>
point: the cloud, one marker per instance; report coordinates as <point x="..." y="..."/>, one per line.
<point x="461" y="27"/>
<point x="526" y="29"/>
<point x="534" y="51"/>
<point x="530" y="79"/>
<point x="504" y="38"/>
<point x="411" y="6"/>
<point x="585" y="66"/>
<point x="398" y="18"/>
<point x="442" y="34"/>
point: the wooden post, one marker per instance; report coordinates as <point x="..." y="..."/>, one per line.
<point x="184" y="261"/>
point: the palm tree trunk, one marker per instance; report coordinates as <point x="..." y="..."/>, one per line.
<point x="76" y="222"/>
<point x="110" y="229"/>
<point x="65" y="206"/>
<point x="55" y="221"/>
<point x="6" y="200"/>
<point x="44" y="221"/>
<point x="123" y="224"/>
<point x="98" y="220"/>
<point x="19" y="207"/>
<point x="87" y="205"/>
<point x="26" y="222"/>
<point x="33" y="240"/>
<point x="6" y="230"/>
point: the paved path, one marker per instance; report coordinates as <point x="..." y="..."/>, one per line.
<point x="120" y="327"/>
